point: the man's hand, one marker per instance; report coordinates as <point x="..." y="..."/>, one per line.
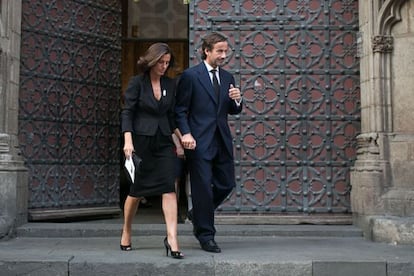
<point x="188" y="141"/>
<point x="234" y="93"/>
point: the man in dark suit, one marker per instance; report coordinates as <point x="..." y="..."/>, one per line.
<point x="206" y="95"/>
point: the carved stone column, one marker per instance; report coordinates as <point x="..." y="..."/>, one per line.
<point x="382" y="178"/>
<point x="13" y="174"/>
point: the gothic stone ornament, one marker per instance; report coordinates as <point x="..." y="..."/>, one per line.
<point x="382" y="44"/>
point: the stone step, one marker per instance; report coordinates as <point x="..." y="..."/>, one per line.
<point x="241" y="256"/>
<point x="300" y="247"/>
<point x="90" y="229"/>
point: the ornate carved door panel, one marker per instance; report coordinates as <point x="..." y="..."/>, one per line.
<point x="69" y="102"/>
<point x="295" y="62"/>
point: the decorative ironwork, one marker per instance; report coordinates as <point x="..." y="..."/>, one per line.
<point x="296" y="64"/>
<point x="69" y="101"/>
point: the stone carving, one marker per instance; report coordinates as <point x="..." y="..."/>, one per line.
<point x="389" y="14"/>
<point x="382" y="44"/>
<point x="367" y="145"/>
<point x="4" y="143"/>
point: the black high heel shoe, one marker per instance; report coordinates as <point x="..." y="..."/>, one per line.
<point x="126" y="247"/>
<point x="174" y="254"/>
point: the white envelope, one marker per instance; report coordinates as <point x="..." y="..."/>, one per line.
<point x="130" y="167"/>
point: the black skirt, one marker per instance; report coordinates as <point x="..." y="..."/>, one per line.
<point x="157" y="173"/>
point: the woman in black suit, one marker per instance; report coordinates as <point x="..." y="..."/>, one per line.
<point x="147" y="123"/>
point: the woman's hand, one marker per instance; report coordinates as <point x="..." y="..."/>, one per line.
<point x="128" y="145"/>
<point x="179" y="150"/>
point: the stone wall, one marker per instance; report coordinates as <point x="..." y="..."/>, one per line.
<point x="383" y="176"/>
<point x="13" y="174"/>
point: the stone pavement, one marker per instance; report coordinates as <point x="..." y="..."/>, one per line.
<point x="92" y="248"/>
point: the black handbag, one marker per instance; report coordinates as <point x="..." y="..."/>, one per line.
<point x="137" y="162"/>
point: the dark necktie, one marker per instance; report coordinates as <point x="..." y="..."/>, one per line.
<point x="216" y="84"/>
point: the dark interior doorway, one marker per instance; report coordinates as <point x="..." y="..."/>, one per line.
<point x="144" y="23"/>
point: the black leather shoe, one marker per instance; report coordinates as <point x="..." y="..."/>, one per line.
<point x="211" y="246"/>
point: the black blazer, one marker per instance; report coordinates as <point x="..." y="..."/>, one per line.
<point x="142" y="114"/>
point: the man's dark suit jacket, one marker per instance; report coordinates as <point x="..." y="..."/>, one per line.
<point x="198" y="111"/>
<point x="142" y="114"/>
